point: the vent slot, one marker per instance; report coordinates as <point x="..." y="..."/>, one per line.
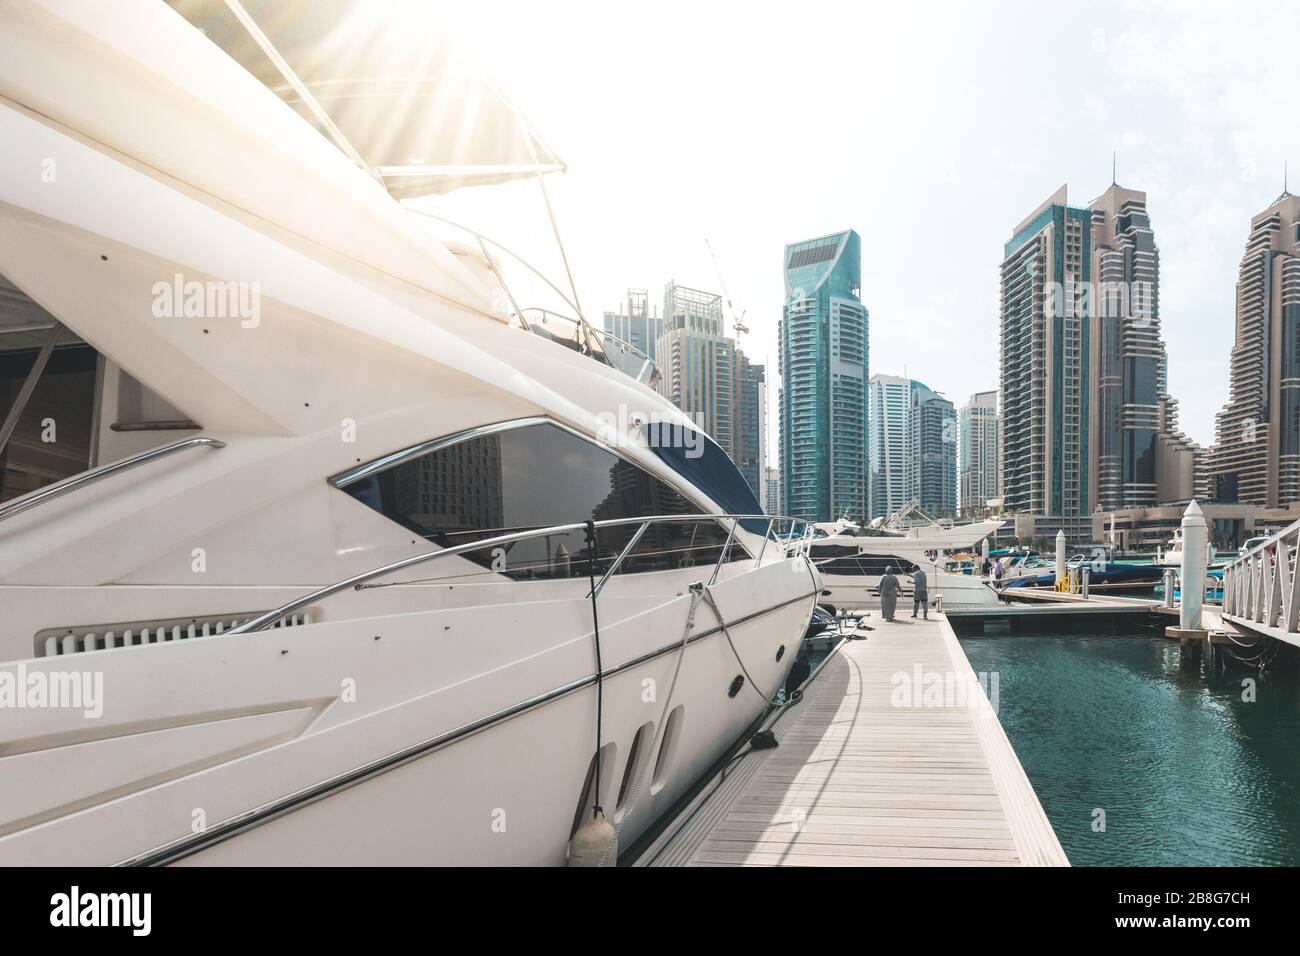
<point x="62" y="641"/>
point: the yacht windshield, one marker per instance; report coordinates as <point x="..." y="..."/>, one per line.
<point x="697" y="458"/>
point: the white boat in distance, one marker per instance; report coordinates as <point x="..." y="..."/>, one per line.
<point x="852" y="560"/>
<point x="325" y="594"/>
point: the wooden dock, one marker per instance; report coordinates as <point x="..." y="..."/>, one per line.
<point x="863" y="776"/>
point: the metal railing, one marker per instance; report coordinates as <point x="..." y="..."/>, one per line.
<point x="75" y="482"/>
<point x="584" y="338"/>
<point x="794" y="543"/>
<point x="1261" y="589"/>
<point x="576" y="333"/>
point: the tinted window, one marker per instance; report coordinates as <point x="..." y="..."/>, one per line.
<point x="533" y="477"/>
<point x="65" y="393"/>
<point x="872" y="565"/>
<point x="699" y="460"/>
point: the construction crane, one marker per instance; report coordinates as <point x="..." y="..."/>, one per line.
<point x="737" y="321"/>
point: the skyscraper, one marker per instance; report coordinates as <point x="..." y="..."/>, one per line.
<point x="750" y="420"/>
<point x="977" y="452"/>
<point x="771" y="497"/>
<point x="1045" y="356"/>
<point x="1141" y="457"/>
<point x="913" y="447"/>
<point x="1256" y="455"/>
<point x="933" y="476"/>
<point x="823" y="363"/>
<point x="638" y="324"/>
<point x="698" y="361"/>
<point x="889" y="443"/>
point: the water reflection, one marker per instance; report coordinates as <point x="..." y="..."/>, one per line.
<point x="1179" y="767"/>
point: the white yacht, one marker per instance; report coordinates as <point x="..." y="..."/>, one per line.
<point x="360" y="566"/>
<point x="852" y="559"/>
<point x="1171" y="556"/>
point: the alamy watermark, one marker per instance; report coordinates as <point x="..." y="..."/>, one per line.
<point x="192" y="299"/>
<point x="133" y="911"/>
<point x="1105" y="300"/>
<point x="661" y="431"/>
<point x="928" y="688"/>
<point x="75" y="690"/>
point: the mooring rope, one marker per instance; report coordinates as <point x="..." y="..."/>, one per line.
<point x="697" y="589"/>
<point x="596" y="809"/>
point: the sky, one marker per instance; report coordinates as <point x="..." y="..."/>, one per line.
<point x="930" y="128"/>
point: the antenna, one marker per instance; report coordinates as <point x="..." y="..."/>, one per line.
<point x="737" y="321"/>
<point x="1114" y="154"/>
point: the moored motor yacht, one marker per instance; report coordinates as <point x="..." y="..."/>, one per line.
<point x="361" y="566"/>
<point x="852" y="559"/>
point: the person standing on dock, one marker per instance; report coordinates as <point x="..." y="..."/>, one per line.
<point x="889" y="589"/>
<point x="920" y="596"/>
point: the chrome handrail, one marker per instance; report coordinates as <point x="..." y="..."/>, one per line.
<point x="587" y="335"/>
<point x="726" y="548"/>
<point x="631" y="543"/>
<point x="357" y="581"/>
<point x="656" y="373"/>
<point x="74" y="482"/>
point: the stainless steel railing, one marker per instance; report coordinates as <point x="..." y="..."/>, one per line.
<point x="795" y="543"/>
<point x="605" y="347"/>
<point x="1261" y="588"/>
<point x="574" y="332"/>
<point x="75" y="482"/>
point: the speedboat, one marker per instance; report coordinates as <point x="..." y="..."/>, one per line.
<point x="359" y="566"/>
<point x="852" y="559"/>
<point x="1105" y="572"/>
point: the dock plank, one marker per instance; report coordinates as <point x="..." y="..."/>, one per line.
<point x="865" y="776"/>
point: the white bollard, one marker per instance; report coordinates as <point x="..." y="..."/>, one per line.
<point x="1195" y="556"/>
<point x="1060" y="556"/>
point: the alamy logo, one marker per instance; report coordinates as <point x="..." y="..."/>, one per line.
<point x="1106" y="300"/>
<point x="928" y="688"/>
<point x="133" y="910"/>
<point x="181" y="299"/>
<point x="82" y="690"/>
<point x="659" y="431"/>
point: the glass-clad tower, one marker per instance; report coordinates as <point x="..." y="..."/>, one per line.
<point x="934" y="451"/>
<point x="750" y="419"/>
<point x="913" y="447"/>
<point x="823" y="365"/>
<point x="977" y="453"/>
<point x="889" y="452"/>
<point x="1045" y="362"/>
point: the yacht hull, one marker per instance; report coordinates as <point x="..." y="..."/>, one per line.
<point x="452" y="736"/>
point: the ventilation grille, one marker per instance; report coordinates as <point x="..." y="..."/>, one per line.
<point x="61" y="641"/>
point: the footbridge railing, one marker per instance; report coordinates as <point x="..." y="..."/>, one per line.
<point x="1261" y="589"/>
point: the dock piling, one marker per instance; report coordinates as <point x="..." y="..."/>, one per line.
<point x="1189" y="632"/>
<point x="1060" y="556"/>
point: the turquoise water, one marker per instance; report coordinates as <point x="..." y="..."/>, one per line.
<point x="1186" y="771"/>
